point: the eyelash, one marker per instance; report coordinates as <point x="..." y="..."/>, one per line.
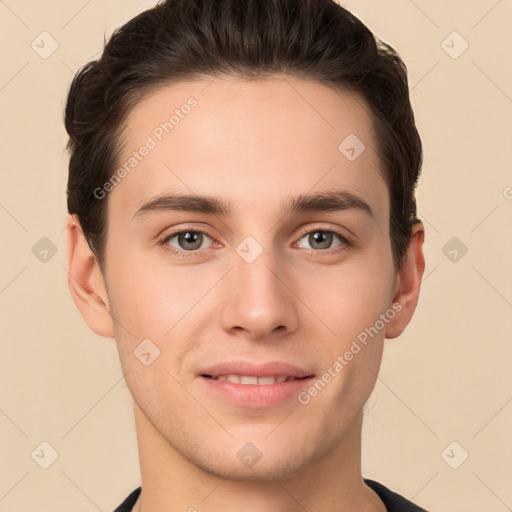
<point x="194" y="253"/>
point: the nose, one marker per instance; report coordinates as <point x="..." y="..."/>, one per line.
<point x="258" y="301"/>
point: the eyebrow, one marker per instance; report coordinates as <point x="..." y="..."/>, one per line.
<point x="313" y="202"/>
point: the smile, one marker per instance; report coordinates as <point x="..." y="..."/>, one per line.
<point x="249" y="379"/>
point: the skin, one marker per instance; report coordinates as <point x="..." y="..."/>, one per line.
<point x="297" y="302"/>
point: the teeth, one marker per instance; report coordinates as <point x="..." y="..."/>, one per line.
<point x="248" y="379"/>
<point x="267" y="380"/>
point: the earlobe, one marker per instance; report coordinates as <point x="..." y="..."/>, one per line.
<point x="86" y="282"/>
<point x="407" y="283"/>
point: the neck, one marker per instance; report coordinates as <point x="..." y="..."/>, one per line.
<point x="170" y="482"/>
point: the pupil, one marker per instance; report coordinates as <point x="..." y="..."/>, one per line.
<point x="323" y="238"/>
<point x="191" y="238"/>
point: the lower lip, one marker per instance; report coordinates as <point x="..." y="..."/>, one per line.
<point x="255" y="395"/>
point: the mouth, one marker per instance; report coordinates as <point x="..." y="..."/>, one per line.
<point x="256" y="386"/>
<point x="254" y="380"/>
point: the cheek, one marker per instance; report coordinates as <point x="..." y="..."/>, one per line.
<point x="171" y="305"/>
<point x="349" y="297"/>
<point x="351" y="303"/>
<point x="150" y="302"/>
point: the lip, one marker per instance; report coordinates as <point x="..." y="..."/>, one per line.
<point x="256" y="396"/>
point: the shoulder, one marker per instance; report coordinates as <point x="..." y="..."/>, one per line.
<point x="129" y="502"/>
<point x="393" y="501"/>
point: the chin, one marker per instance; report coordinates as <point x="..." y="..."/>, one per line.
<point x="267" y="470"/>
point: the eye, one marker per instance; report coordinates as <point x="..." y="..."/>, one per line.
<point x="321" y="239"/>
<point x="187" y="240"/>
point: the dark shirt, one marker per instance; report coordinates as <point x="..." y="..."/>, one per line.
<point x="393" y="502"/>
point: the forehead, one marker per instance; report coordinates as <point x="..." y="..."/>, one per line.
<point x="252" y="140"/>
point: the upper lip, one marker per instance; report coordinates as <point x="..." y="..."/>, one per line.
<point x="268" y="369"/>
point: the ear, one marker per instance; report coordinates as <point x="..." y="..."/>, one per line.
<point x="407" y="283"/>
<point x="85" y="281"/>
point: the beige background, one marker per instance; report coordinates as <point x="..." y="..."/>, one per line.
<point x="447" y="378"/>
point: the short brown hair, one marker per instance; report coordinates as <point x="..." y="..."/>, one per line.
<point x="185" y="39"/>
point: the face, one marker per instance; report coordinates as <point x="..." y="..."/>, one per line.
<point x="252" y="287"/>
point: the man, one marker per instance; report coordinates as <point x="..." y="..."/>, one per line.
<point x="243" y="223"/>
